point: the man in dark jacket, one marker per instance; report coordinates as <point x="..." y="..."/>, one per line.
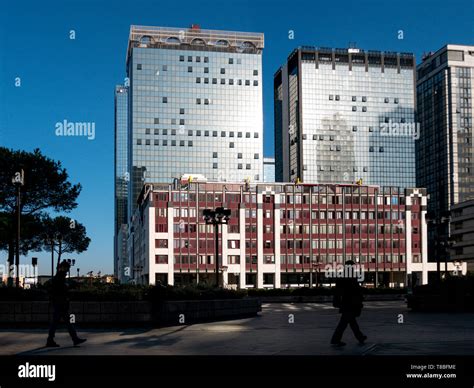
<point x="348" y="298"/>
<point x="60" y="303"/>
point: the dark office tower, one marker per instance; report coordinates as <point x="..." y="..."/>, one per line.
<point x="445" y="156"/>
<point x="195" y="105"/>
<point x="345" y="114"/>
<point x="445" y="159"/>
<point x="121" y="181"/>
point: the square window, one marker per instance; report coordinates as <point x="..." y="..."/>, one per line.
<point x="239" y="82"/>
<point x="255" y="135"/>
<point x="165" y="142"/>
<point x="190" y="58"/>
<point x="157" y="142"/>
<point x="181" y="111"/>
<point x="214" y="165"/>
<point x="247" y="166"/>
<point x="173" y="143"/>
<point x="315" y="137"/>
<point x="198" y="59"/>
<point x="181" y="143"/>
<point x="139" y="66"/>
<point x="247" y="135"/>
<point x="190" y="132"/>
<point x="173" y="121"/>
<point x="214" y="81"/>
<point x="331" y="97"/>
<point x="181" y="58"/>
<point x="214" y="154"/>
<point x="206" y="59"/>
<point x="198" y="101"/>
<point x="198" y="133"/>
<point x="386" y="100"/>
<point x="354" y="109"/>
<point x="231" y="81"/>
<point x="181" y="121"/>
<point x="255" y="156"/>
<point x="364" y="99"/>
<point x="247" y="82"/>
<point x="371" y="129"/>
<point x="239" y="134"/>
<point x="206" y="70"/>
<point x="157" y="131"/>
<point x="165" y="68"/>
<point x="190" y="143"/>
<point x="337" y="97"/>
<point x="231" y="61"/>
<point x="395" y="100"/>
<point x="255" y="83"/>
<point x="157" y="120"/>
<point x="354" y="128"/>
<point x="139" y="141"/>
<point x="222" y="81"/>
<point x="147" y="131"/>
<point x="231" y="145"/>
<point x="198" y="80"/>
<point x="173" y="132"/>
<point x="255" y="72"/>
<point x="222" y="70"/>
<point x="231" y="134"/>
<point x="206" y="133"/>
<point x="239" y="61"/>
<point x="206" y="80"/>
<point x="206" y="101"/>
<point x="165" y="132"/>
<point x="190" y="69"/>
<point x="214" y="133"/>
<point x="364" y="109"/>
<point x="354" y="98"/>
<point x="165" y="100"/>
<point x="371" y="149"/>
<point x="239" y="166"/>
<point x="222" y="133"/>
<point x="239" y="155"/>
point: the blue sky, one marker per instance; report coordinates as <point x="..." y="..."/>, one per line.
<point x="74" y="79"/>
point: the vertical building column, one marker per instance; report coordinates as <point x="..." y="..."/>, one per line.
<point x="424" y="238"/>
<point x="242" y="280"/>
<point x="276" y="239"/>
<point x="408" y="232"/>
<point x="259" y="240"/>
<point x="224" y="261"/>
<point x="150" y="239"/>
<point x="170" y="216"/>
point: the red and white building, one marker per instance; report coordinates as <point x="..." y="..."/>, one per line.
<point x="279" y="234"/>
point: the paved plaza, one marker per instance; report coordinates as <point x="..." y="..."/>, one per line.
<point x="271" y="333"/>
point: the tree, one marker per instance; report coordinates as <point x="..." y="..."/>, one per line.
<point x="64" y="235"/>
<point x="46" y="186"/>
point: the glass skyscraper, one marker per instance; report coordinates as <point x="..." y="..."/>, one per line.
<point x="269" y="169"/>
<point x="121" y="178"/>
<point x="195" y="105"/>
<point x="345" y="114"/>
<point x="445" y="156"/>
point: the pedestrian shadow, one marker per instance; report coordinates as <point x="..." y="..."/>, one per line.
<point x="44" y="350"/>
<point x="150" y="341"/>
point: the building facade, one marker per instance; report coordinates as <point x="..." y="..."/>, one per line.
<point x="269" y="169"/>
<point x="121" y="180"/>
<point x="444" y="153"/>
<point x="462" y="232"/>
<point x="279" y="235"/>
<point x="342" y="115"/>
<point x="195" y="105"/>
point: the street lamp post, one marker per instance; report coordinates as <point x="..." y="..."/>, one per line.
<point x="18" y="180"/>
<point x="219" y="216"/>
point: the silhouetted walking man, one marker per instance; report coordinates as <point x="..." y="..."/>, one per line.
<point x="60" y="302"/>
<point x="348" y="297"/>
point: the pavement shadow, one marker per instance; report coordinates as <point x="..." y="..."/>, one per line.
<point x="149" y="341"/>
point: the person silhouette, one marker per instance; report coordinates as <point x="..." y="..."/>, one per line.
<point x="348" y="298"/>
<point x="60" y="302"/>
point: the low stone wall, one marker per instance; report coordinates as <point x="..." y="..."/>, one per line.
<point x="326" y="298"/>
<point x="128" y="312"/>
<point x="179" y="312"/>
